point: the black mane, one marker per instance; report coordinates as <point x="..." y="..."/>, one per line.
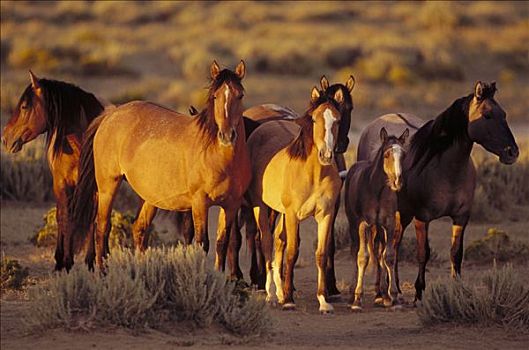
<point x="301" y="146"/>
<point x="206" y="118"/>
<point x="437" y="135"/>
<point x="65" y="104"/>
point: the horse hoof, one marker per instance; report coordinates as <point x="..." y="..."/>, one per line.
<point x="289" y="307"/>
<point x="356" y="308"/>
<point x="388" y="303"/>
<point x="326" y="309"/>
<point x="379" y="301"/>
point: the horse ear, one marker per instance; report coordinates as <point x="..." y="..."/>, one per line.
<point x="383" y="135"/>
<point x="338" y="96"/>
<point x="34" y="80"/>
<point x="478" y="90"/>
<point x="493" y="88"/>
<point x="350" y="83"/>
<point x="324" y="83"/>
<point x="240" y="70"/>
<point x="314" y="95"/>
<point x="214" y="70"/>
<point x="404" y="136"/>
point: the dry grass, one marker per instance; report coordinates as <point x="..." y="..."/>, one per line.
<point x="147" y="290"/>
<point x="500" y="188"/>
<point x="502" y="299"/>
<point x="497" y="245"/>
<point x="433" y="51"/>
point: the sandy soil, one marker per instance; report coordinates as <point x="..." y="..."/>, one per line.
<point x="304" y="328"/>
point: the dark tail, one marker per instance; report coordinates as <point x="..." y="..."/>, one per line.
<point x="83" y="207"/>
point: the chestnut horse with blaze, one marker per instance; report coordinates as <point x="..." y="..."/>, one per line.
<point x="62" y="111"/>
<point x="172" y="161"/>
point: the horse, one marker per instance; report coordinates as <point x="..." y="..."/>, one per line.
<point x="294" y="173"/>
<point x="62" y="111"/>
<point x="371" y="188"/>
<point x="272" y="112"/>
<point x="172" y="161"/>
<point x="439" y="174"/>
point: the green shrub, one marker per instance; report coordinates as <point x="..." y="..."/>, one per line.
<point x="496" y="245"/>
<point x="501" y="299"/>
<point x="120" y="231"/>
<point x="147" y="289"/>
<point x="12" y="274"/>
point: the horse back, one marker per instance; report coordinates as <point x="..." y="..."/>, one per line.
<point x="268" y="112"/>
<point x="394" y="123"/>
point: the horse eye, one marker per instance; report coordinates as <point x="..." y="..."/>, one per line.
<point x="487" y="116"/>
<point x="241" y="96"/>
<point x="24" y="107"/>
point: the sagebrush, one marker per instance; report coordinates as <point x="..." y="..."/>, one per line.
<point x="140" y="290"/>
<point x="501" y="299"/>
<point x="12" y="274"/>
<point x="497" y="245"/>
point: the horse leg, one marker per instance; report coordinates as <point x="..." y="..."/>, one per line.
<point x="423" y="254"/>
<point x="200" y="222"/>
<point x="141" y="225"/>
<point x="257" y="276"/>
<point x="277" y="265"/>
<point x="107" y="189"/>
<point x="324" y="220"/>
<point x="234" y="250"/>
<point x="330" y="274"/>
<point x="456" y="251"/>
<point x="388" y="261"/>
<point x="260" y="213"/>
<point x="226" y="218"/>
<point x="184" y="225"/>
<point x="292" y="252"/>
<point x="401" y="222"/>
<point x="362" y="260"/>
<point x="374" y="251"/>
<point x="91" y="250"/>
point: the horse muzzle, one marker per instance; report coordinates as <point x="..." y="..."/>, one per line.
<point x="509" y="154"/>
<point x="13" y="147"/>
<point x="325" y="156"/>
<point x="227" y="138"/>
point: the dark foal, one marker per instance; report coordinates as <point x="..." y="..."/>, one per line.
<point x="371" y="206"/>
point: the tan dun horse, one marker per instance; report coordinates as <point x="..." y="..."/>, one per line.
<point x="62" y="111"/>
<point x="371" y="207"/>
<point x="269" y="112"/>
<point x="294" y="173"/>
<point x="172" y="161"/>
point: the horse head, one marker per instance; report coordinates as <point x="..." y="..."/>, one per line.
<point x="393" y="153"/>
<point x="226" y="93"/>
<point x="29" y="118"/>
<point x="345" y="108"/>
<point x="325" y="119"/>
<point x="488" y="124"/>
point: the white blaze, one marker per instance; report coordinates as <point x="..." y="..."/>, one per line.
<point x="226" y="95"/>
<point x="397" y="157"/>
<point x="329" y="121"/>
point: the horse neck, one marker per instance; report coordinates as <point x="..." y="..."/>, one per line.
<point x="376" y="177"/>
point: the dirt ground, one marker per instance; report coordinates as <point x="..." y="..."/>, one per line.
<point x="304" y="328"/>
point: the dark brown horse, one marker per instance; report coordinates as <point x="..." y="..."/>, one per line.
<point x="62" y="111"/>
<point x="371" y="205"/>
<point x="173" y="162"/>
<point x="439" y="175"/>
